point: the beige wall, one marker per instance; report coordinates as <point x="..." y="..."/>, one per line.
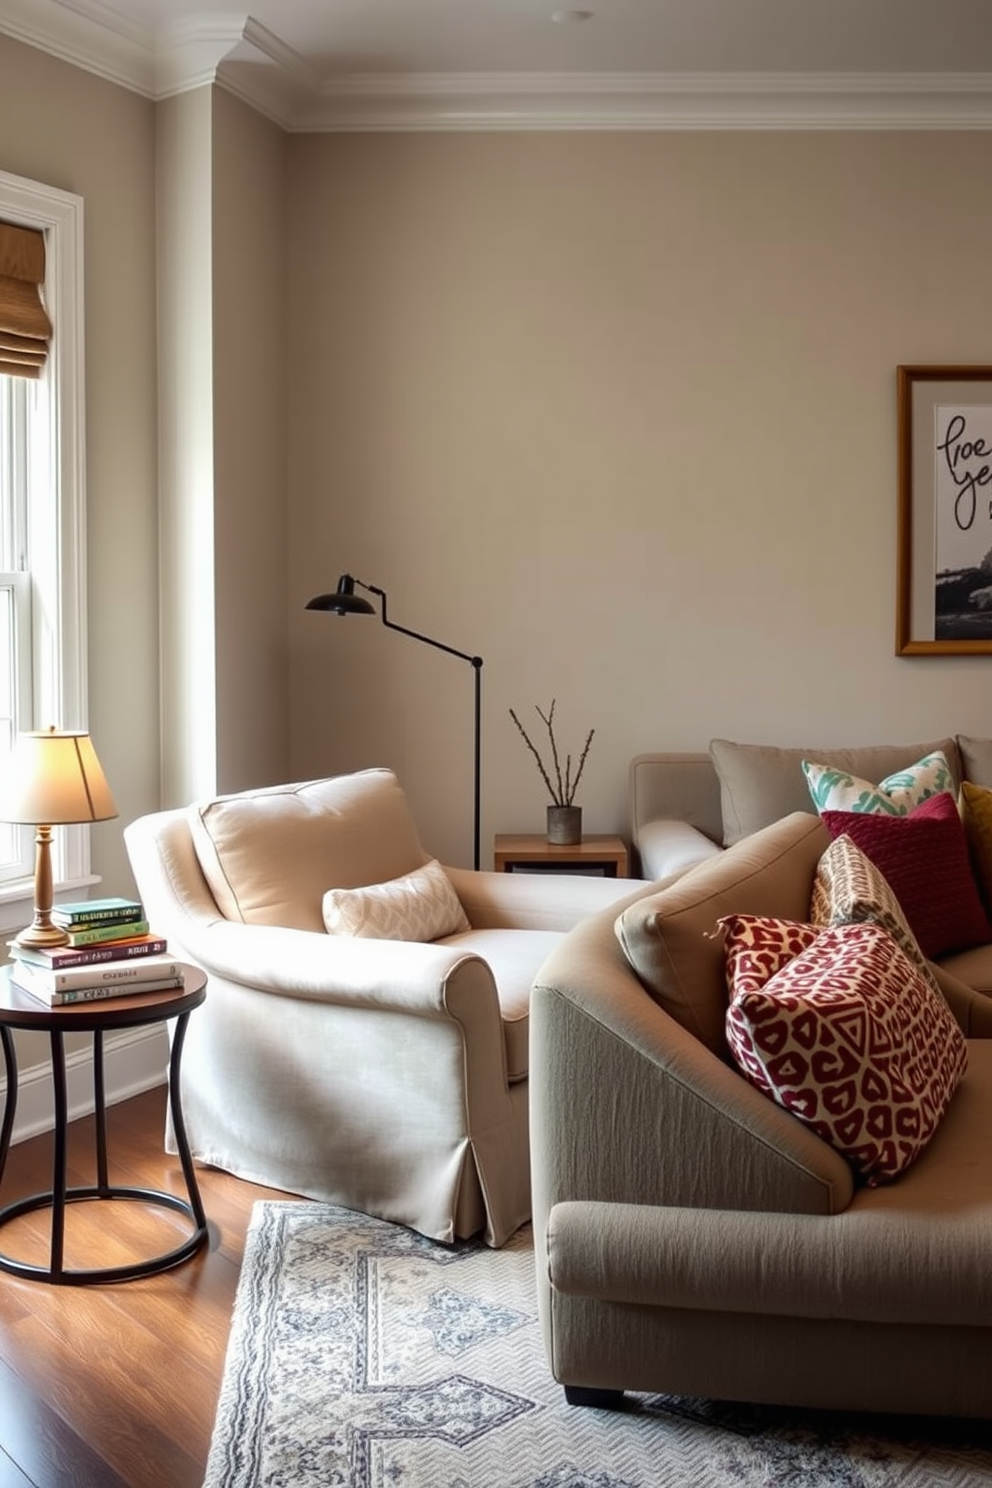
<point x="616" y="411"/>
<point x="249" y="392"/>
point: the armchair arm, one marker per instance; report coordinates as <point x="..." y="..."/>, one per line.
<point x="549" y="901"/>
<point x="401" y="975"/>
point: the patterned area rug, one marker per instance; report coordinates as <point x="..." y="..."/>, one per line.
<point x="364" y="1356"/>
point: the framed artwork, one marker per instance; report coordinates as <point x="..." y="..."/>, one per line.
<point x="944" y="579"/>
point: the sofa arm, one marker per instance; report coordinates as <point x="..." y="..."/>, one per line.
<point x="546" y="901"/>
<point x="623" y="1101"/>
<point x="667" y="848"/>
<point x="871" y="1266"/>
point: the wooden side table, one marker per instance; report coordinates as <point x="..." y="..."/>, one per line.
<point x="19" y="1009"/>
<point x="598" y="852"/>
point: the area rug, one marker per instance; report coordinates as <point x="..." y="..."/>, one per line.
<point x="363" y="1356"/>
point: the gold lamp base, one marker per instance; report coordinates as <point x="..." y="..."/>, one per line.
<point x="41" y="932"/>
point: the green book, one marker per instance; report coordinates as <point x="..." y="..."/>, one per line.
<point x="109" y="930"/>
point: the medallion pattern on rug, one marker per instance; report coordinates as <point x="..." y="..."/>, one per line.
<point x="363" y="1355"/>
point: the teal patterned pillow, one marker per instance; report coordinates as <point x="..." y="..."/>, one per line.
<point x="896" y="795"/>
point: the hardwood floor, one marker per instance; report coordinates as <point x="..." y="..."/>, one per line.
<point x="115" y="1386"/>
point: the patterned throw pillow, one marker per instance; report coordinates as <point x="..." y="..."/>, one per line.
<point x="924" y="857"/>
<point x="421" y="905"/>
<point x="849" y="1037"/>
<point x="896" y="795"/>
<point x="849" y="890"/>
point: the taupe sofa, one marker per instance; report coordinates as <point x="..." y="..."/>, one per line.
<point x="692" y="1237"/>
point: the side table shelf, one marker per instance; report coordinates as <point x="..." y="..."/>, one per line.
<point x="19" y="1010"/>
<point x="598" y="852"/>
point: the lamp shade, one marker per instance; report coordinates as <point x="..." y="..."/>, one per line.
<point x="54" y="777"/>
<point x="344" y="600"/>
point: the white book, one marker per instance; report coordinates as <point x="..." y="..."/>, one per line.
<point x="93" y="994"/>
<point x="103" y="974"/>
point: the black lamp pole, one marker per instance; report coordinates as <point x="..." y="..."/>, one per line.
<point x="344" y="601"/>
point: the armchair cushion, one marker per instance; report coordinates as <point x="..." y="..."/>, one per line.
<point x="849" y="1037"/>
<point x="421" y="905"/>
<point x="270" y="855"/>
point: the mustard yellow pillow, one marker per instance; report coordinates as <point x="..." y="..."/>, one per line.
<point x="976" y="808"/>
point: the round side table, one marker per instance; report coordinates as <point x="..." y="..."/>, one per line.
<point x="19" y="1009"/>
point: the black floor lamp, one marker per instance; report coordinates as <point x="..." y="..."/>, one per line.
<point x="344" y="601"/>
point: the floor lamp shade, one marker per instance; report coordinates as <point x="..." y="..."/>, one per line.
<point x="344" y="601"/>
<point x="52" y="778"/>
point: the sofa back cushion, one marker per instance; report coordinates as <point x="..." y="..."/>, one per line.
<point x="270" y="855"/>
<point x="673" y="942"/>
<point x="760" y="784"/>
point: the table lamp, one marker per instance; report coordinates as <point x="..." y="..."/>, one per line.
<point x="52" y="778"/>
<point x="344" y="601"/>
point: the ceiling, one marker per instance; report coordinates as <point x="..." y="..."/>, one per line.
<point x="381" y="64"/>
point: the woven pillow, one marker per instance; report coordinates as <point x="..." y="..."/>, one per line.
<point x="836" y="790"/>
<point x="421" y="905"/>
<point x="849" y="890"/>
<point x="849" y="1037"/>
<point x="924" y="857"/>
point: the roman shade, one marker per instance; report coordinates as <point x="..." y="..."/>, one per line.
<point x="24" y="324"/>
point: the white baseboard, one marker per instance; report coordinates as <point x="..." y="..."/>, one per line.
<point x="133" y="1060"/>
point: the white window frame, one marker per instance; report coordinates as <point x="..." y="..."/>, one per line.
<point x="56" y="536"/>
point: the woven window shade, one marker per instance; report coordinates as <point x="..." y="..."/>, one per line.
<point x="25" y="328"/>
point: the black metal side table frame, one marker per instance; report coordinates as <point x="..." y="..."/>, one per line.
<point x="19" y="1010"/>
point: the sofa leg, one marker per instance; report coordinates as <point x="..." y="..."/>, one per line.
<point x="598" y="1399"/>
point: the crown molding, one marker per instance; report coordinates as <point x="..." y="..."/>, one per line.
<point x="651" y="101"/>
<point x="252" y="62"/>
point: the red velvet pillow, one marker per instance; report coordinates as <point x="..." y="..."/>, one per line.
<point x="924" y="858"/>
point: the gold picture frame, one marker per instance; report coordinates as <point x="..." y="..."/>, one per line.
<point x="944" y="418"/>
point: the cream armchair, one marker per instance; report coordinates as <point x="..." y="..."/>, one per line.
<point x="386" y="1075"/>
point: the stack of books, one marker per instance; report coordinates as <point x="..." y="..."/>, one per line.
<point x="111" y="952"/>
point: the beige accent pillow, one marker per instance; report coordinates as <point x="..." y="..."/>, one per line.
<point x="421" y="905"/>
<point x="849" y="890"/>
<point x="976" y="759"/>
<point x="672" y="939"/>
<point x="759" y="783"/>
<point x="270" y="855"/>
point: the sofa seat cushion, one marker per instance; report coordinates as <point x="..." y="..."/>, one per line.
<point x="848" y="1035"/>
<point x="514" y="956"/>
<point x="973" y="967"/>
<point x="270" y="855"/>
<point x="760" y="783"/>
<point x="672" y="940"/>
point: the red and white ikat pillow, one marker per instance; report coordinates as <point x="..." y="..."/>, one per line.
<point x="839" y="1027"/>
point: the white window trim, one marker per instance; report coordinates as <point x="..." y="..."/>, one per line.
<point x="62" y="697"/>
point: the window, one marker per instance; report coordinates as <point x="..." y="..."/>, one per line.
<point x="42" y="529"/>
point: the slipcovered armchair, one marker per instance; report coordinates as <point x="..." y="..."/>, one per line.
<point x="388" y="1075"/>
